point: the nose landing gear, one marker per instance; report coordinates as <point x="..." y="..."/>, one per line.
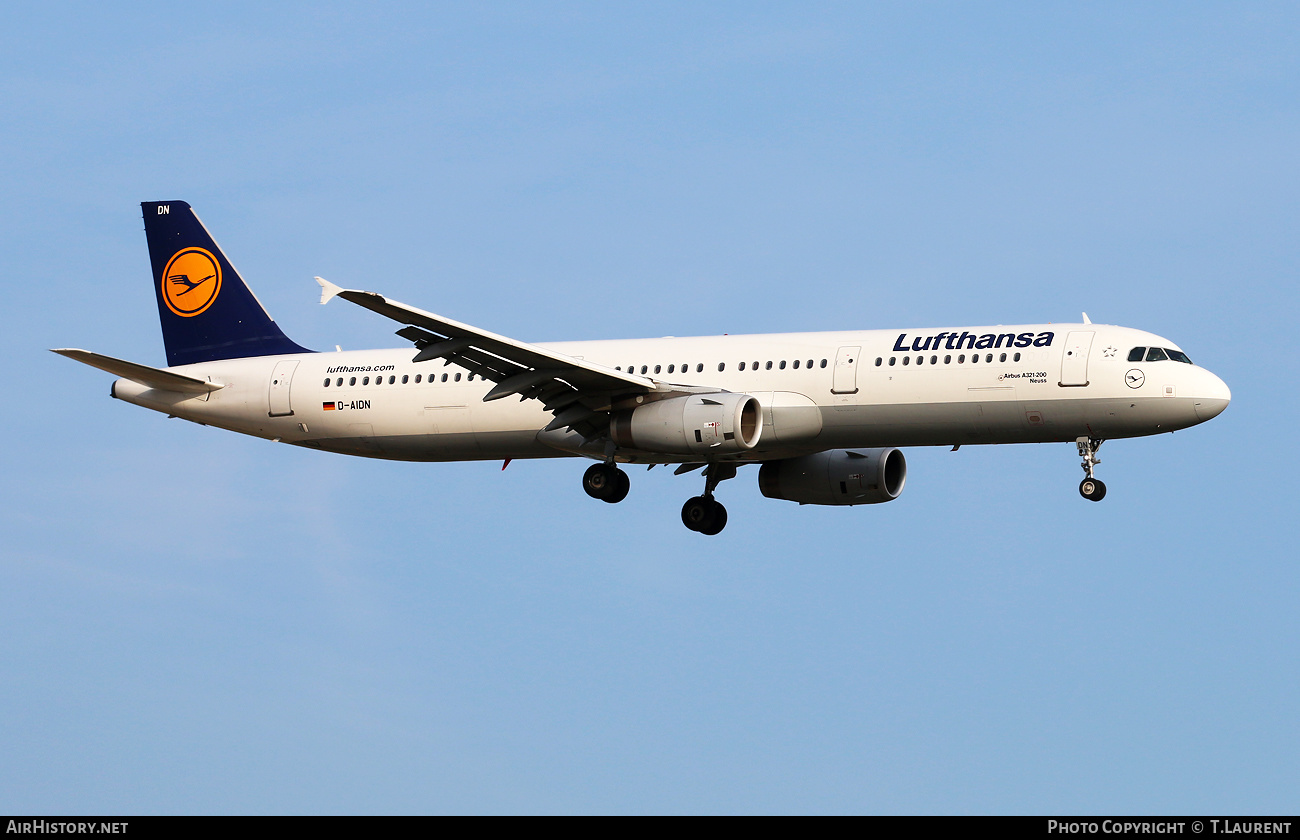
<point x="1090" y="488"/>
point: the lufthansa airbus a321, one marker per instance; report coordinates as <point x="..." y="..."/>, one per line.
<point x="822" y="413"/>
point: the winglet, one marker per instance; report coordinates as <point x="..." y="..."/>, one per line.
<point x="1086" y="319"/>
<point x="327" y="290"/>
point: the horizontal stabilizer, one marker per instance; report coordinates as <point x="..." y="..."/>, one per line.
<point x="163" y="380"/>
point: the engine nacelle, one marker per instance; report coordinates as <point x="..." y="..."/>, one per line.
<point x="692" y="425"/>
<point x="836" y="477"/>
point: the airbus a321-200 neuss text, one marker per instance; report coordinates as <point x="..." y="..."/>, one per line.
<point x="822" y="413"/>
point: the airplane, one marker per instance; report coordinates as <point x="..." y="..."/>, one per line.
<point x="822" y="413"/>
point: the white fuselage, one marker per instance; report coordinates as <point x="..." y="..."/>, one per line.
<point x="819" y="391"/>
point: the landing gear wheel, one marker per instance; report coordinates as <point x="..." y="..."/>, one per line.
<point x="717" y="522"/>
<point x="704" y="515"/>
<point x="1092" y="489"/>
<point x="600" y="481"/>
<point x="618" y="492"/>
<point x="695" y="512"/>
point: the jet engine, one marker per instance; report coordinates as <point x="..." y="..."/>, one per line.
<point x="692" y="425"/>
<point x="836" y="477"/>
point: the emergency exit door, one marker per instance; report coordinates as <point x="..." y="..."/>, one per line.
<point x="1074" y="360"/>
<point x="845" y="380"/>
<point x="281" y="379"/>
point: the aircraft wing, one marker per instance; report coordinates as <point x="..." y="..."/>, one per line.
<point x="163" y="380"/>
<point x="575" y="390"/>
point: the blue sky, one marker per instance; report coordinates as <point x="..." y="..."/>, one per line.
<point x="192" y="621"/>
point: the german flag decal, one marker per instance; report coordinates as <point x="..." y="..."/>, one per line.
<point x="327" y="406"/>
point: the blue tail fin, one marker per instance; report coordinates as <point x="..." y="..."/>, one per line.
<point x="207" y="311"/>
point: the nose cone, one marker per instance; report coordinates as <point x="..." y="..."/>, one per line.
<point x="1212" y="397"/>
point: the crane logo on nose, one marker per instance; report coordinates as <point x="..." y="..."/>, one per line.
<point x="191" y="282"/>
<point x="1134" y="378"/>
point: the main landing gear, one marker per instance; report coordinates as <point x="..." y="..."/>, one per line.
<point x="706" y="514"/>
<point x="606" y="482"/>
<point x="1090" y="488"/>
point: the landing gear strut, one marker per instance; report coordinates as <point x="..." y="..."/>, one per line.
<point x="706" y="514"/>
<point x="1090" y="488"/>
<point x="606" y="482"/>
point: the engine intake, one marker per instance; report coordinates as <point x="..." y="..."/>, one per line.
<point x="691" y="425"/>
<point x="836" y="477"/>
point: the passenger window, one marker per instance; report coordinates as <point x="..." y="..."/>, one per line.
<point x="444" y="377"/>
<point x="699" y="368"/>
<point x="1016" y="358"/>
<point x="742" y="365"/>
<point x="1155" y="354"/>
<point x="656" y="368"/>
<point x="907" y="360"/>
<point x="782" y="365"/>
<point x="1136" y="354"/>
<point x="352" y="381"/>
<point x="920" y="360"/>
<point x="796" y="363"/>
<point x="974" y="358"/>
<point x="768" y="366"/>
<point x="961" y="360"/>
<point x="988" y="358"/>
<point x="947" y="360"/>
<point x="327" y="382"/>
<point x="644" y="369"/>
<point x="891" y="361"/>
<point x="365" y="380"/>
<point x="393" y="379"/>
<point x="339" y="382"/>
<point x="1002" y="358"/>
<point x="417" y="378"/>
<point x="823" y="363"/>
<point x="934" y="360"/>
<point x="879" y="361"/>
<point x="671" y="367"/>
<point x="722" y="366"/>
<point x="458" y="377"/>
<point x="405" y="379"/>
<point x="810" y="364"/>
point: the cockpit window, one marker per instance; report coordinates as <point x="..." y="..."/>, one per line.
<point x="1136" y="354"/>
<point x="1155" y="354"/>
<point x="1179" y="356"/>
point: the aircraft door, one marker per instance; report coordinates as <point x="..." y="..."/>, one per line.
<point x="1074" y="362"/>
<point x="846" y="371"/>
<point x="281" y="379"/>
